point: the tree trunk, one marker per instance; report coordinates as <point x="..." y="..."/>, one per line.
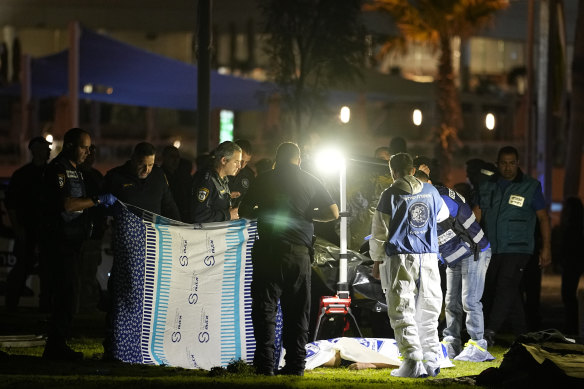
<point x="449" y="110"/>
<point x="574" y="158"/>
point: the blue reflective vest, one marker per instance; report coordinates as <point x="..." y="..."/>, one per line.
<point x="460" y="235"/>
<point x="412" y="229"/>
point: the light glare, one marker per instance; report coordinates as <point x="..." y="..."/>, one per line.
<point x="329" y="160"/>
<point x="176" y="143"/>
<point x="490" y="121"/>
<point x="417" y="117"/>
<point x="345" y="115"/>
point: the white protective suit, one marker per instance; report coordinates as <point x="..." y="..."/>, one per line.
<point x="411" y="282"/>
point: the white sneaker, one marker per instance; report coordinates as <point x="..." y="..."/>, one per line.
<point x="475" y="351"/>
<point x="411" y="369"/>
<point x="452" y="346"/>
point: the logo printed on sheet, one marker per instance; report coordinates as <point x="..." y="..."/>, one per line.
<point x="176" y="336"/>
<point x="191" y="358"/>
<point x="364" y="342"/>
<point x="183" y="258"/>
<point x="418" y="215"/>
<point x="311" y="349"/>
<point x="210" y="258"/>
<point x="517" y="200"/>
<point x="210" y="245"/>
<point x="204" y="336"/>
<point x="193" y="294"/>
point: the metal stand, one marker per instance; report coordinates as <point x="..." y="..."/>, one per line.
<point x="339" y="305"/>
<point x="332" y="308"/>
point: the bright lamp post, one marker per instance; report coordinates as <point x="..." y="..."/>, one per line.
<point x="339" y="305"/>
<point x="331" y="161"/>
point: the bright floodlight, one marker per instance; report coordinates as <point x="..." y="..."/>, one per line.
<point x="490" y="121"/>
<point x="88" y="88"/>
<point x="176" y="143"/>
<point x="329" y="160"/>
<point x="345" y="114"/>
<point x="49" y="138"/>
<point x="417" y="117"/>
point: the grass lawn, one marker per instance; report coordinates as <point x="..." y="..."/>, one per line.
<point x="24" y="368"/>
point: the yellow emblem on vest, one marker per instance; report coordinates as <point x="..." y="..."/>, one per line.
<point x="202" y="194"/>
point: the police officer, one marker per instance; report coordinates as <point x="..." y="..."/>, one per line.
<point x="288" y="200"/>
<point x="67" y="226"/>
<point x="139" y="182"/>
<point x="239" y="184"/>
<point x="24" y="207"/>
<point x="211" y="197"/>
<point x="178" y="174"/>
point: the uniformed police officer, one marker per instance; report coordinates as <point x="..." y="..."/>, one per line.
<point x="288" y="200"/>
<point x="24" y="207"/>
<point x="180" y="180"/>
<point x="239" y="184"/>
<point x="139" y="182"/>
<point x="211" y="197"/>
<point x="67" y="226"/>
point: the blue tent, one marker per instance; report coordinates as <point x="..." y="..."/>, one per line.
<point x="123" y="74"/>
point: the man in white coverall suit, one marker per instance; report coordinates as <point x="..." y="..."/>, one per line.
<point x="404" y="247"/>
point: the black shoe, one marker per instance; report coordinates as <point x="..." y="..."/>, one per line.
<point x="489" y="336"/>
<point x="291" y="371"/>
<point x="262" y="370"/>
<point x="61" y="352"/>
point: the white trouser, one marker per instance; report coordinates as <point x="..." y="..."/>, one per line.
<point x="414" y="299"/>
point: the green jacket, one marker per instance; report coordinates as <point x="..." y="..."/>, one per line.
<point x="508" y="216"/>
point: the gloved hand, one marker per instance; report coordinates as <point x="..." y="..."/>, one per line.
<point x="107" y="199"/>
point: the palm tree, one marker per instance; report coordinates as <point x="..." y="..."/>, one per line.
<point x="437" y="22"/>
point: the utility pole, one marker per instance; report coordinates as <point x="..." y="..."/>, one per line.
<point x="203" y="75"/>
<point x="544" y="93"/>
<point x="529" y="93"/>
<point x="73" y="103"/>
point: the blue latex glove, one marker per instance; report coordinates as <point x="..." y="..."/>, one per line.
<point x="107" y="199"/>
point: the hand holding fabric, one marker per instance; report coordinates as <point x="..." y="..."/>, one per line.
<point x="107" y="199"/>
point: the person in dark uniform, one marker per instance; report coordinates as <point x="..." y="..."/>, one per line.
<point x="24" y="207"/>
<point x="211" y="197"/>
<point x="239" y="184"/>
<point x="139" y="182"/>
<point x="288" y="200"/>
<point x="89" y="290"/>
<point x="178" y="174"/>
<point x="66" y="224"/>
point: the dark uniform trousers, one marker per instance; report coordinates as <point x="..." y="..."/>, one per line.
<point x="281" y="271"/>
<point x="63" y="259"/>
<point x="504" y="275"/>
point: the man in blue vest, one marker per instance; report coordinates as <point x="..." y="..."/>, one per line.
<point x="509" y="204"/>
<point x="465" y="250"/>
<point x="404" y="248"/>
